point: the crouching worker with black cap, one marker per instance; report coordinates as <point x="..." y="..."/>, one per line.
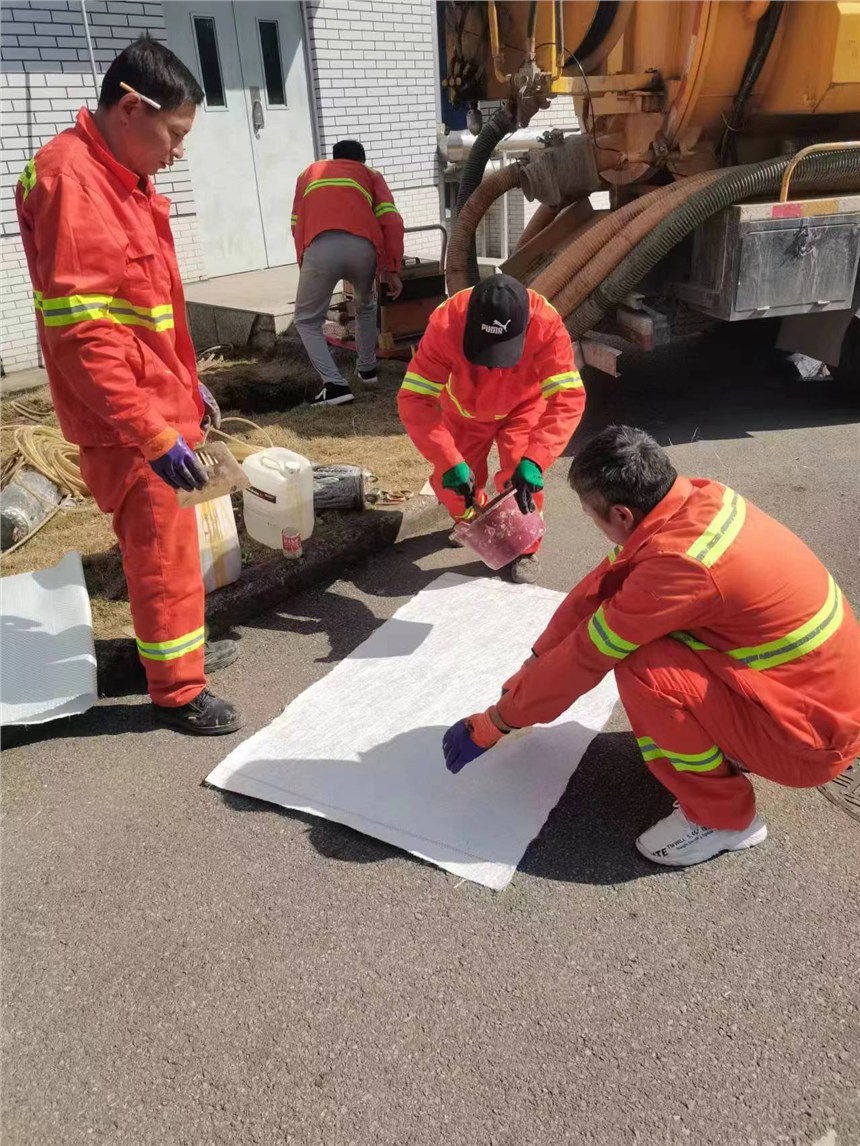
<point x="495" y="366"/>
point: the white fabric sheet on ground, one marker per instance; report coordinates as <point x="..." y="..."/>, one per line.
<point x="363" y="746"/>
<point x="48" y="659"/>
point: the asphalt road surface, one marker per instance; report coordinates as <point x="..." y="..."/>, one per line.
<point x="182" y="967"/>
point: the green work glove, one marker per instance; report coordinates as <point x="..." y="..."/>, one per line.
<point x="460" y="480"/>
<point x="527" y="479"/>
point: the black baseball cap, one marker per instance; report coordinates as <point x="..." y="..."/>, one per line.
<point x="496" y="322"/>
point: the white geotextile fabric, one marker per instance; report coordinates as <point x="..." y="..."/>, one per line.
<point x="363" y="746"/>
<point x="47" y="654"/>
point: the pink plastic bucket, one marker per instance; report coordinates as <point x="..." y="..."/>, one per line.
<point x="500" y="533"/>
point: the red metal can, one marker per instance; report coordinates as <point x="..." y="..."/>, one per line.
<point x="291" y="543"/>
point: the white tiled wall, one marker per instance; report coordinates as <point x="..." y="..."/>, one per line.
<point x="375" y="79"/>
<point x="46" y="78"/>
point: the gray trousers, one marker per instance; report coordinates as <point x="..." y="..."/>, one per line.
<point x="332" y="256"/>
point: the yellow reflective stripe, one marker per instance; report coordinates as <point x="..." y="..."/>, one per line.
<point x="318" y="183"/>
<point x="463" y="412"/>
<point x="385" y="209"/>
<point x="721" y="531"/>
<point x="172" y="650"/>
<point x="705" y="761"/>
<point x="613" y="555"/>
<point x="293" y="220"/>
<point x="800" y="641"/>
<point x="690" y="641"/>
<point x="90" y="307"/>
<point x="606" y="640"/>
<point x="558" y="382"/>
<point x="421" y="385"/>
<point x="27" y="178"/>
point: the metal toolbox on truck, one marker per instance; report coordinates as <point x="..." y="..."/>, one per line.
<point x="765" y="260"/>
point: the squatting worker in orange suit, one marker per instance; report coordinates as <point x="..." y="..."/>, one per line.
<point x="495" y="365"/>
<point x="111" y="318"/>
<point x="732" y="646"/>
<point x="345" y="226"/>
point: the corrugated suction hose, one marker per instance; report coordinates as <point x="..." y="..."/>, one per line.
<point x="826" y="171"/>
<point x="542" y="218"/>
<point x="551" y="281"/>
<point x="462" y="242"/>
<point x="586" y="277"/>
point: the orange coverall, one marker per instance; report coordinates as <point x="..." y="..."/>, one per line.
<point x="111" y="318"/>
<point x="343" y="195"/>
<point x="730" y="642"/>
<point x="454" y="411"/>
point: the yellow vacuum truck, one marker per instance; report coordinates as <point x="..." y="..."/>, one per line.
<point x="727" y="133"/>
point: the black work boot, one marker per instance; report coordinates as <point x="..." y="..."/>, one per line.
<point x="205" y="715"/>
<point x="218" y="655"/>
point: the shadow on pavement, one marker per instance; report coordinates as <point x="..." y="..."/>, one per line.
<point x="346" y="620"/>
<point x="610" y="800"/>
<point x="588" y="837"/>
<point x="721" y="386"/>
<point x="102" y="720"/>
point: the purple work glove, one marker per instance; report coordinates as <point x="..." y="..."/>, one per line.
<point x="180" y="468"/>
<point x="211" y="409"/>
<point x="459" y="747"/>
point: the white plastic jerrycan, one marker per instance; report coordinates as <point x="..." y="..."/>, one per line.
<point x="281" y="495"/>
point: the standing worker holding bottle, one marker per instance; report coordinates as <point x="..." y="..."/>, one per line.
<point x="122" y="369"/>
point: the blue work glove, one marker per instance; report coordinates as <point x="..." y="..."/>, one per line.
<point x="180" y="468"/>
<point x="527" y="480"/>
<point x="468" y="739"/>
<point x="211" y="409"/>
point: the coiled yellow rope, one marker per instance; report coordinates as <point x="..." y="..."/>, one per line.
<point x="44" y="448"/>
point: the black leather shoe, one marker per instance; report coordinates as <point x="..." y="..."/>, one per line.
<point x="205" y="715"/>
<point x="218" y="655"/>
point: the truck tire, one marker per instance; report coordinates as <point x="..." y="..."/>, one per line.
<point x="848" y="371"/>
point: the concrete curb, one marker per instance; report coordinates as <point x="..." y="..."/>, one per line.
<point x="262" y="588"/>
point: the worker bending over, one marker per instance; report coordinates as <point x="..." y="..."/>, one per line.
<point x="122" y="369"/>
<point x="495" y="366"/>
<point x="732" y="646"/>
<point x="345" y="226"/>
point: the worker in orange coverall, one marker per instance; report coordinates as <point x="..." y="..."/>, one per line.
<point x="345" y="226"/>
<point x="495" y="366"/>
<point x="732" y="646"/>
<point x="111" y="318"/>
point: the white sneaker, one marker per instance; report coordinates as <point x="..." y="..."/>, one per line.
<point x="677" y="842"/>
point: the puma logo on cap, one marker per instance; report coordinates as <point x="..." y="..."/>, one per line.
<point x="496" y="326"/>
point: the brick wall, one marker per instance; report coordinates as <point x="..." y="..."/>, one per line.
<point x="375" y="80"/>
<point x="46" y="78"/>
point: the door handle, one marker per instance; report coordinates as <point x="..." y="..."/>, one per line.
<point x="257" y="118"/>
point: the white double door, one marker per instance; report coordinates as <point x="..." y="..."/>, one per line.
<point x="252" y="136"/>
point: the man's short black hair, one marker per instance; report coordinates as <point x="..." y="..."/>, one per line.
<point x="349" y="149"/>
<point x="154" y="71"/>
<point x="622" y="466"/>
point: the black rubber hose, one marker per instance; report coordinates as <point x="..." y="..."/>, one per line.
<point x="827" y="170"/>
<point x="764" y="36"/>
<point x="500" y="124"/>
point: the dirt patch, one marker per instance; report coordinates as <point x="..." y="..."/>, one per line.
<point x="270" y="392"/>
